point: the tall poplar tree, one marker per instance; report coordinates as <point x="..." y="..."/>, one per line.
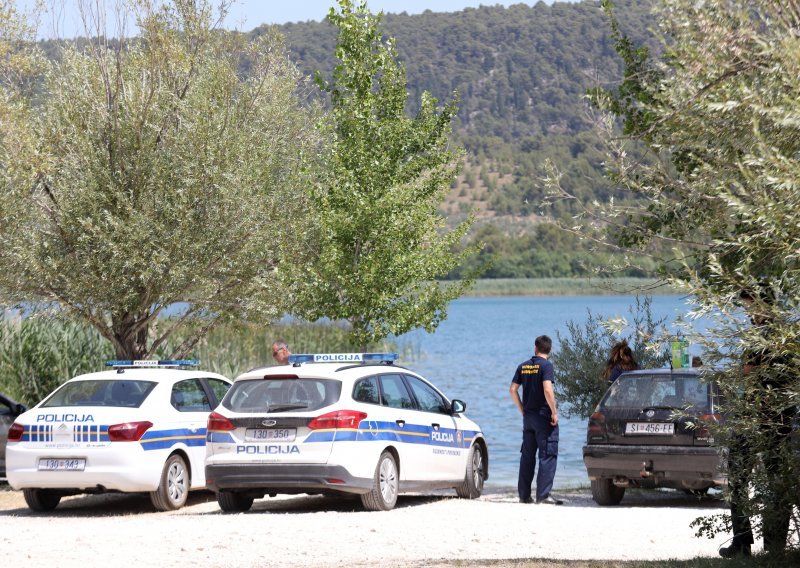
<point x="382" y="241"/>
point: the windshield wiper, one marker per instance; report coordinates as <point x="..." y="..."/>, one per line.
<point x="285" y="407"/>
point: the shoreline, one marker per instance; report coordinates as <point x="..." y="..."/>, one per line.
<point x="572" y="286"/>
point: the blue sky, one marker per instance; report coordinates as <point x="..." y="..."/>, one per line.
<point x="248" y="14"/>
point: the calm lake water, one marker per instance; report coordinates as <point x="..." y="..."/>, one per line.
<point x="474" y="353"/>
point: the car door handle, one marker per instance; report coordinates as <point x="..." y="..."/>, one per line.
<point x="400" y="423"/>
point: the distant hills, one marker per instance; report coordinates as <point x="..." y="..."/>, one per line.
<point x="521" y="74"/>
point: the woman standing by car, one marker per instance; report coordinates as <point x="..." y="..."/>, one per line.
<point x="620" y="360"/>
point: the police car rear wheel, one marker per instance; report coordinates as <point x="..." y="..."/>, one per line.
<point x="475" y="474"/>
<point x="234" y="502"/>
<point x="41" y="500"/>
<point x="385" y="485"/>
<point x="173" y="490"/>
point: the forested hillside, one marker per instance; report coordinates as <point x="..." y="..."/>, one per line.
<point x="521" y="74"/>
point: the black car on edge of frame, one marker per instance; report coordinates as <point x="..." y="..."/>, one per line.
<point x="9" y="410"/>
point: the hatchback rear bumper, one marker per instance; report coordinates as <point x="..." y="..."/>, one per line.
<point x="675" y="466"/>
<point x="284" y="478"/>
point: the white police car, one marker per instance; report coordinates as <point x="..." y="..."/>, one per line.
<point x="138" y="428"/>
<point x="340" y="423"/>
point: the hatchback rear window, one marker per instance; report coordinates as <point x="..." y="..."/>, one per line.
<point x="282" y="394"/>
<point x="123" y="393"/>
<point x="642" y="391"/>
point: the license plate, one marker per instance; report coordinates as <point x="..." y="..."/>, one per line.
<point x="659" y="428"/>
<point x="49" y="464"/>
<point x="270" y="434"/>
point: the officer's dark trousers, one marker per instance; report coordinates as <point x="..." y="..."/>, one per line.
<point x="774" y="497"/>
<point x="537" y="436"/>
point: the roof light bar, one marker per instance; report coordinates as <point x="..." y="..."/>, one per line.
<point x="150" y="363"/>
<point x="343" y="358"/>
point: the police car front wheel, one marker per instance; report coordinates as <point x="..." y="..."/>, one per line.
<point x="472" y="487"/>
<point x="173" y="489"/>
<point x="385" y="485"/>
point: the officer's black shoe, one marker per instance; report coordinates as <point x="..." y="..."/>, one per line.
<point x="526" y="500"/>
<point x="735" y="550"/>
<point x="549" y="500"/>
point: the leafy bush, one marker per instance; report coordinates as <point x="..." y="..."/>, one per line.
<point x="581" y="356"/>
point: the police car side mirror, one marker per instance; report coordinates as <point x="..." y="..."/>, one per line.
<point x="458" y="406"/>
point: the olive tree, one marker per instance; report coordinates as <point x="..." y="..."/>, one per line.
<point x="382" y="241"/>
<point x="710" y="145"/>
<point x="147" y="172"/>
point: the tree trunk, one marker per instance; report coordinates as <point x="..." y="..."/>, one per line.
<point x="130" y="340"/>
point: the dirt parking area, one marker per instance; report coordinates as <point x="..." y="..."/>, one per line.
<point x="423" y="530"/>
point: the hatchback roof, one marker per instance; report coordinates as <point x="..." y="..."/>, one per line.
<point x="665" y="371"/>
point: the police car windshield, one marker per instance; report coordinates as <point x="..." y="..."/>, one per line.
<point x="113" y="393"/>
<point x="282" y="394"/>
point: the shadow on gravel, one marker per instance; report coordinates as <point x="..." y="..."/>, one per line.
<point x="103" y="505"/>
<point x="205" y="503"/>
<point x="302" y="504"/>
<point x="634" y="498"/>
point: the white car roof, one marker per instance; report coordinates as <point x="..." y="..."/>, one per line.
<point x="338" y="371"/>
<point x="149" y="374"/>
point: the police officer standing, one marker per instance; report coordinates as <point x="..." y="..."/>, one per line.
<point x="539" y="423"/>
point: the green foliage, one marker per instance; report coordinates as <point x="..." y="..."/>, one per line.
<point x="381" y="242"/>
<point x="582" y="354"/>
<point x="141" y="173"/>
<point x="234" y="347"/>
<point x="544" y="251"/>
<point x="38" y="353"/>
<point x="718" y="118"/>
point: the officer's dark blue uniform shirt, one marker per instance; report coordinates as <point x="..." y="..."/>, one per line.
<point x="530" y="375"/>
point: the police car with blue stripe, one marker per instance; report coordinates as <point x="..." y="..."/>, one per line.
<point x="138" y="428"/>
<point x="340" y="423"/>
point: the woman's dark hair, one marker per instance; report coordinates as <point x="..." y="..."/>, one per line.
<point x="620" y="357"/>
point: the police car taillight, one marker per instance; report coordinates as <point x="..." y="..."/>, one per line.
<point x="217" y="422"/>
<point x="337" y="420"/>
<point x="15" y="432"/>
<point x="128" y="431"/>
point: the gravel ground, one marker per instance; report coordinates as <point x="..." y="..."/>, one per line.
<point x="423" y="530"/>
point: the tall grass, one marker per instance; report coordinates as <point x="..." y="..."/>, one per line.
<point x="234" y="348"/>
<point x="39" y="353"/>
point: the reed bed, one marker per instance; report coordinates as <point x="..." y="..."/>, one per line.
<point x="39" y="353"/>
<point x="568" y="287"/>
